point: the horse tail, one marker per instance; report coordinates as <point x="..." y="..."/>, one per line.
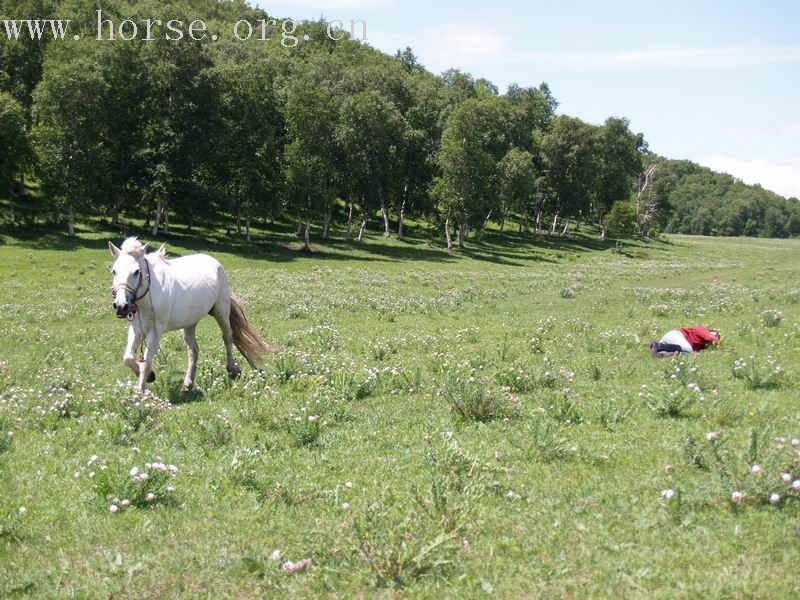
<point x="245" y="336"/>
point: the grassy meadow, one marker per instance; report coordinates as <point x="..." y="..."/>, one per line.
<point x="436" y="425"/>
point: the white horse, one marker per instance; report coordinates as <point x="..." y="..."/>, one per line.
<point x="158" y="295"/>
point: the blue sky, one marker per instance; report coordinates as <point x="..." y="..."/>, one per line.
<point x="712" y="81"/>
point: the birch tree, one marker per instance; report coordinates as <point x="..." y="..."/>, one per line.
<point x="571" y="159"/>
<point x="15" y="152"/>
<point x="517" y="186"/>
<point x="369" y="132"/>
<point x="475" y="139"/>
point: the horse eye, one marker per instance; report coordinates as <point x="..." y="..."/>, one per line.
<point x="136" y="272"/>
<point x="113" y="271"/>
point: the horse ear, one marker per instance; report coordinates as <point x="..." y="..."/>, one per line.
<point x="114" y="250"/>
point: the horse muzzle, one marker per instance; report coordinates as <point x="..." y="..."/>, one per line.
<point x="126" y="309"/>
<point x="125" y="312"/>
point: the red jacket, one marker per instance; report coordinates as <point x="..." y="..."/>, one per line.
<point x="698" y="337"/>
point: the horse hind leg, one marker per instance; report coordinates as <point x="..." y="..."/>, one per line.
<point x="190" y="338"/>
<point x="222" y="313"/>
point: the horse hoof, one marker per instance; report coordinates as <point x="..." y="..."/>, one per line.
<point x="187" y="389"/>
<point x="235" y="374"/>
<point x="151" y="377"/>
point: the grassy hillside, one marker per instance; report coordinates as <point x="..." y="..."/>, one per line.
<point x="349" y="449"/>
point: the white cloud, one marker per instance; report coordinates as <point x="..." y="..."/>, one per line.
<point x="787" y="129"/>
<point x="467" y="44"/>
<point x="667" y="58"/>
<point x="464" y="39"/>
<point x="461" y="45"/>
<point x="782" y="177"/>
<point x="791" y="128"/>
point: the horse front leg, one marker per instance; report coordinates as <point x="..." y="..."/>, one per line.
<point x="190" y="337"/>
<point x="129" y="358"/>
<point x="146" y="374"/>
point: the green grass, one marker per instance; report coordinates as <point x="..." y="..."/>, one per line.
<point x="540" y="476"/>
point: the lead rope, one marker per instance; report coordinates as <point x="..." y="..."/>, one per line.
<point x="143" y="345"/>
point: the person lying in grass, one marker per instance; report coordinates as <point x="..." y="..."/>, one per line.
<point x="685" y="339"/>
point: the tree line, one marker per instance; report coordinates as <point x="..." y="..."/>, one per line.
<point x="329" y="131"/>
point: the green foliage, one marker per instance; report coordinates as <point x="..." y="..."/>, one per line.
<point x="572" y="161"/>
<point x="673" y="402"/>
<point x="474" y="141"/>
<point x="6" y="435"/>
<point x="699" y="201"/>
<point x="517" y="174"/>
<point x="15" y="152"/>
<point x="622" y="162"/>
<point x="760" y="470"/>
<point x="304" y="430"/>
<point x="473" y="397"/>
<point x="121" y="486"/>
<point x="759" y="373"/>
<point x="771" y="318"/>
<point x="516" y="378"/>
<point x="621" y="220"/>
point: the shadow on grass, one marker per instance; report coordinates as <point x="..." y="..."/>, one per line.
<point x="275" y="245"/>
<point x="49" y="237"/>
<point x="278" y="243"/>
<point x="177" y="396"/>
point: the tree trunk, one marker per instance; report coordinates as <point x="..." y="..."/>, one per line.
<point x="307" y="238"/>
<point x="327" y="224"/>
<point x="462" y="234"/>
<point x="400" y="218"/>
<point x="402" y="213"/>
<point x="482" y="232"/>
<point x="247" y="227"/>
<point x="385" y="212"/>
<point x="363" y="226"/>
<point x="157" y="220"/>
<point x="166" y="222"/>
<point x="538" y="221"/>
<point x="555" y="223"/>
<point x="115" y="212"/>
<point x="502" y="225"/>
<point x="11" y="202"/>
<point x="299" y="228"/>
<point x="603" y="234"/>
<point x="565" y="231"/>
<point x="350" y="222"/>
<point x="447" y="234"/>
<point x="71" y="221"/>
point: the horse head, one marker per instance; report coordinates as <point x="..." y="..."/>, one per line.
<point x="130" y="277"/>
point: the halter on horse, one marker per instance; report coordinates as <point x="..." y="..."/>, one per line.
<point x="130" y="294"/>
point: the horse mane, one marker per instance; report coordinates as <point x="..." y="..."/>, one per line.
<point x="136" y="249"/>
